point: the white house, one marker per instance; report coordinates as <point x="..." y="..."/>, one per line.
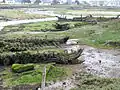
<point x="69" y="1"/>
<point x="105" y="3"/>
<point x="97" y="2"/>
<point x="114" y="3"/>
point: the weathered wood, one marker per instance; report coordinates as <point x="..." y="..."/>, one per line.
<point x="43" y="78"/>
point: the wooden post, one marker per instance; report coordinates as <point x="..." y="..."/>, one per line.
<point x="43" y="78"/>
<point x="45" y="36"/>
<point x="81" y="18"/>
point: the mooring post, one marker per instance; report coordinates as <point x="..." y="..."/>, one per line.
<point x="81" y="18"/>
<point x="43" y="78"/>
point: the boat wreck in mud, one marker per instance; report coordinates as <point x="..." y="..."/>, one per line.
<point x="45" y="57"/>
<point x="74" y="57"/>
<point x="88" y="19"/>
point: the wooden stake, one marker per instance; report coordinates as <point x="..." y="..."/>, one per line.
<point x="43" y="78"/>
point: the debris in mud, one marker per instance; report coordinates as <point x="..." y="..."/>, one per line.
<point x="113" y="43"/>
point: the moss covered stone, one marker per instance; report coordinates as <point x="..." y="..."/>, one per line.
<point x="18" y="68"/>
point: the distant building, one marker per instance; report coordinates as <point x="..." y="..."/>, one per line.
<point x="115" y="3"/>
<point x="46" y="1"/>
<point x="97" y="2"/>
<point x="69" y="1"/>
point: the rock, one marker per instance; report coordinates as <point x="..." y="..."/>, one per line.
<point x="81" y="59"/>
<point x="72" y="42"/>
<point x="99" y="61"/>
<point x="64" y="83"/>
<point x="39" y="89"/>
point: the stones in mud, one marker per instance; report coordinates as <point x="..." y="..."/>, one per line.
<point x="100" y="61"/>
<point x="1" y="82"/>
<point x="72" y="42"/>
<point x="3" y="18"/>
<point x="81" y="59"/>
<point x="88" y="69"/>
<point x="64" y="83"/>
<point x="25" y="87"/>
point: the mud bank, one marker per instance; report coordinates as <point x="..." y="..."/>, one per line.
<point x="100" y="62"/>
<point x="62" y="85"/>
